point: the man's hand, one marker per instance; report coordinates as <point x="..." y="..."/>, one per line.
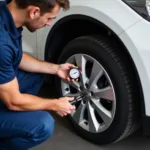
<point x="63" y="107"/>
<point x="63" y="71"/>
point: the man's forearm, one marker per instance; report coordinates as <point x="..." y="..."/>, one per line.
<point x="31" y="64"/>
<point x="28" y="102"/>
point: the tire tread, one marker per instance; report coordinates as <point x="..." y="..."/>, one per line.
<point x="132" y="124"/>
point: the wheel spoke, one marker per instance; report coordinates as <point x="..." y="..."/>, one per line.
<point x="103" y="112"/>
<point x="96" y="73"/>
<point x="93" y="123"/>
<point x="75" y="85"/>
<point x="72" y="95"/>
<point x="106" y="93"/>
<point x="81" y="63"/>
<point x="79" y="114"/>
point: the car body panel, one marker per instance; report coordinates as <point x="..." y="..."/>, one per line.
<point x="29" y="42"/>
<point x="140" y="52"/>
<point x="104" y="11"/>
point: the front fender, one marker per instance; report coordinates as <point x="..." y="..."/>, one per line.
<point x="116" y="15"/>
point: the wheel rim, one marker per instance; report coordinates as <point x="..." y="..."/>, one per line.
<point x="96" y="110"/>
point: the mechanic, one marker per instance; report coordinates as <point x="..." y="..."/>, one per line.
<point x="24" y="118"/>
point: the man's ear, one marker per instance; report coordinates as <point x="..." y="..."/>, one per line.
<point x="34" y="12"/>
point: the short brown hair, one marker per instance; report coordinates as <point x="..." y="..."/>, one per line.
<point x="44" y="5"/>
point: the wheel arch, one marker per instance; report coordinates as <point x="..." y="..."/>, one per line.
<point x="74" y="26"/>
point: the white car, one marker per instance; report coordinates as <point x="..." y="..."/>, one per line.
<point x="109" y="40"/>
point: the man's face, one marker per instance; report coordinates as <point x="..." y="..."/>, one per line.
<point x="36" y="21"/>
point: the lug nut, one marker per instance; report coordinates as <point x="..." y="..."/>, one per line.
<point x="86" y="85"/>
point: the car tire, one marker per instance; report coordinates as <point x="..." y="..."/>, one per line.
<point x="125" y="121"/>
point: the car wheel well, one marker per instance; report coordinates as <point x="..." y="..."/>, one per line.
<point x="76" y="26"/>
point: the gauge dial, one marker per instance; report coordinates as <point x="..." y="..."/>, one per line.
<point x="74" y="73"/>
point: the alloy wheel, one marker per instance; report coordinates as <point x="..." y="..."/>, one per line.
<point x="96" y="105"/>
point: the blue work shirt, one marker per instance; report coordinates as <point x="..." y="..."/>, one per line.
<point x="10" y="45"/>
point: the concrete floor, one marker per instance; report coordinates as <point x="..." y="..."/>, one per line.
<point x="64" y="137"/>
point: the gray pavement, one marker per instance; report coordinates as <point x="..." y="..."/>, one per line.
<point x="64" y="137"/>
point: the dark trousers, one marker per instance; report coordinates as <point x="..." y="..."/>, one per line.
<point x="26" y="129"/>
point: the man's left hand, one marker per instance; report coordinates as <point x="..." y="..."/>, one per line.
<point x="63" y="71"/>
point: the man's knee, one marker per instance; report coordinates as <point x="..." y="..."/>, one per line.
<point x="45" y="127"/>
<point x="48" y="125"/>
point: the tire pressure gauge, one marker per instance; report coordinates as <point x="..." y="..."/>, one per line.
<point x="74" y="73"/>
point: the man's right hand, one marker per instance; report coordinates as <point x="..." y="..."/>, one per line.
<point x="63" y="106"/>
